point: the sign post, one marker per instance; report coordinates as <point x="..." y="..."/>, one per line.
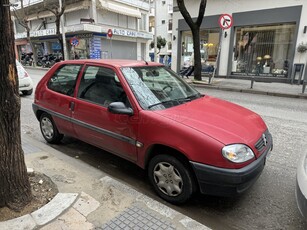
<point x="225" y="22"/>
<point x="110" y="34"/>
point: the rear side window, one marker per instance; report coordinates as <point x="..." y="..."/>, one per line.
<point x="64" y="79"/>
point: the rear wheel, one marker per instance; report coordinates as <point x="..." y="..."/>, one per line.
<point x="49" y="129"/>
<point x="171" y="179"/>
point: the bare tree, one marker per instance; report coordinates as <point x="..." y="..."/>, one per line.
<point x="22" y="18"/>
<point x="15" y="190"/>
<point x="195" y="28"/>
<point x="58" y="12"/>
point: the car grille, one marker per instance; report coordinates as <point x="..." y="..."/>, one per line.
<point x="264" y="140"/>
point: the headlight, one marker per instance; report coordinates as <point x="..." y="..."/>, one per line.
<point x="238" y="153"/>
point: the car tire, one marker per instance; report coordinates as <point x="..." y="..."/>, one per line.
<point x="171" y="179"/>
<point x="27" y="92"/>
<point x="49" y="129"/>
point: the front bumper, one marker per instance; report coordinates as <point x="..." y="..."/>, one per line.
<point x="228" y="182"/>
<point x="301" y="186"/>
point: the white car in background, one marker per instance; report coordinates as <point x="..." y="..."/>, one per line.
<point x="25" y="81"/>
<point x="301" y="185"/>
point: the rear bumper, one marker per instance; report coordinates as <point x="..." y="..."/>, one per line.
<point x="25" y="84"/>
<point x="228" y="182"/>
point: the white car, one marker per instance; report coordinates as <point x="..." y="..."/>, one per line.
<point x="301" y="185"/>
<point x="25" y="81"/>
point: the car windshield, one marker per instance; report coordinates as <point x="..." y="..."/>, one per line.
<point x="157" y="87"/>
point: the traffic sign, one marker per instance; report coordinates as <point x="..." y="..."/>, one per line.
<point x="110" y="33"/>
<point x="225" y="21"/>
<point x="74" y="41"/>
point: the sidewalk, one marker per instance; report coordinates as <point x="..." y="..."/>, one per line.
<point x="90" y="199"/>
<point x="244" y="86"/>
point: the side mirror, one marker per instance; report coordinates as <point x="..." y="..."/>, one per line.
<point x="119" y="108"/>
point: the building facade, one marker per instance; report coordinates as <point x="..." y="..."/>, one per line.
<point x="161" y="24"/>
<point x="262" y="40"/>
<point x="93" y="29"/>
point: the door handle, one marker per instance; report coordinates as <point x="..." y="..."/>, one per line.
<point x="72" y="106"/>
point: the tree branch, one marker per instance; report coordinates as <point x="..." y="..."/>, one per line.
<point x="202" y="7"/>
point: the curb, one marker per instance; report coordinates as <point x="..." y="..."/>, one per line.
<point x="42" y="216"/>
<point x="251" y="91"/>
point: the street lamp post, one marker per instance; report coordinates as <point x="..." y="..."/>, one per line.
<point x="65" y="54"/>
<point x="155" y="40"/>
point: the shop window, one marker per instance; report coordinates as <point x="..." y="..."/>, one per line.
<point x="263" y="50"/>
<point x="209" y="43"/>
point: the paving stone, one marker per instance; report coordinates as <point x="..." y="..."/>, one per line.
<point x="142" y="219"/>
<point x="25" y="222"/>
<point x="86" y="204"/>
<point x="54" y="208"/>
<point x="189" y="223"/>
<point x="71" y="220"/>
<point x="28" y="148"/>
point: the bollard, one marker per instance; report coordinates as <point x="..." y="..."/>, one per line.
<point x="252" y="82"/>
<point x="210" y="76"/>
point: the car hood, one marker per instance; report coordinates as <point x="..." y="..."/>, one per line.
<point x="224" y="121"/>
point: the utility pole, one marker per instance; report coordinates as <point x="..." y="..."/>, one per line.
<point x="155" y="41"/>
<point x="65" y="54"/>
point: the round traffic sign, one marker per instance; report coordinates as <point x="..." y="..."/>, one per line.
<point x="74" y="41"/>
<point x="110" y="33"/>
<point x="225" y="21"/>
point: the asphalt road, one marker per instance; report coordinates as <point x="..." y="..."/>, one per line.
<point x="269" y="204"/>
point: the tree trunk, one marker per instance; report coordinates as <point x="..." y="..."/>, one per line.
<point x="197" y="55"/>
<point x="15" y="190"/>
<point x="194" y="26"/>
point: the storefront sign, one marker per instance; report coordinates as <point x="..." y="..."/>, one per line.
<point x="89" y="35"/>
<point x="40" y="33"/>
<point x="129" y="33"/>
<point x="225" y="21"/>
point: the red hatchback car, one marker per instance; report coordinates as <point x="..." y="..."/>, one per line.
<point x="146" y="114"/>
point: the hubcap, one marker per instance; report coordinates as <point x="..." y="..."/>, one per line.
<point x="47" y="128"/>
<point x="168" y="179"/>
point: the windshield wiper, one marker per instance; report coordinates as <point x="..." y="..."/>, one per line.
<point x="194" y="96"/>
<point x="178" y="100"/>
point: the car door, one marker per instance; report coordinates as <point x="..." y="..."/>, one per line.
<point x="59" y="96"/>
<point x="93" y="123"/>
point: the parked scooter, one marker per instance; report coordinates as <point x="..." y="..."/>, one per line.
<point x="26" y="59"/>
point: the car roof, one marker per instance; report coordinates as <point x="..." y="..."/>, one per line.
<point x="114" y="62"/>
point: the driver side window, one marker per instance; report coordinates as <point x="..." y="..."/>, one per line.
<point x="100" y="85"/>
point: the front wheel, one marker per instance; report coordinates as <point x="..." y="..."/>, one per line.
<point x="49" y="130"/>
<point x="171" y="179"/>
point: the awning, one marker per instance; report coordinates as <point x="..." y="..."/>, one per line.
<point x="119" y="8"/>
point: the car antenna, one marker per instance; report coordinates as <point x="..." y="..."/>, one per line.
<point x="144" y="60"/>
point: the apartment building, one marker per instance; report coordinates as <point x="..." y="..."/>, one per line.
<point x="93" y="29"/>
<point x="161" y="23"/>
